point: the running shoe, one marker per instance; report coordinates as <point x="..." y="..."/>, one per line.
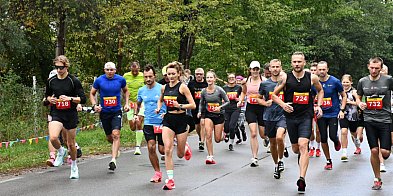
<point x="201" y="146"/>
<point x="268" y="148"/>
<point x="137" y="151"/>
<point x="377" y="184"/>
<point x="329" y="165"/>
<point x="50" y="161"/>
<point x="74" y="172"/>
<point x="301" y="185"/>
<point x="280" y="166"/>
<point x="112" y="165"/>
<point x="60" y="158"/>
<point x="188" y="153"/>
<point x="230" y="147"/>
<point x="358" y="151"/>
<point x="311" y="153"/>
<point x="210" y="160"/>
<point x="78" y="152"/>
<point x="239" y="141"/>
<point x="344" y="157"/>
<point x="169" y="184"/>
<point x="266" y="142"/>
<point x="244" y="136"/>
<point x="254" y="162"/>
<point x="337" y="145"/>
<point x="382" y="168"/>
<point x="318" y="152"/>
<point x="276" y="174"/>
<point x="157" y="177"/>
<point x="226" y="138"/>
<point x="286" y="153"/>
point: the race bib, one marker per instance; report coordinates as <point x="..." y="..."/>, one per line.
<point x="197" y="95"/>
<point x="281" y="95"/>
<point x="169" y="100"/>
<point x="232" y="95"/>
<point x="132" y="105"/>
<point x="63" y="105"/>
<point x="300" y="98"/>
<point x="252" y="99"/>
<point x="157" y="129"/>
<point x="374" y="103"/>
<point x="110" y="101"/>
<point x="327" y="102"/>
<point x="211" y="107"/>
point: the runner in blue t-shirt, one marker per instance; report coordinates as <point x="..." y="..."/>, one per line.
<point x="332" y="110"/>
<point x="152" y="129"/>
<point x="275" y="122"/>
<point x="110" y="86"/>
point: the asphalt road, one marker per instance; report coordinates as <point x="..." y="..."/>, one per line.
<point x="232" y="175"/>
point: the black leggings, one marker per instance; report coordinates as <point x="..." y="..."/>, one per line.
<point x="332" y="124"/>
<point x="231" y="118"/>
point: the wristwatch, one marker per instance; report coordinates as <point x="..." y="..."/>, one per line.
<point x="72" y="99"/>
<point x="181" y="106"/>
<point x="342" y="110"/>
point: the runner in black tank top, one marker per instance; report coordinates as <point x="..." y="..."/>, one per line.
<point x="177" y="98"/>
<point x="298" y="107"/>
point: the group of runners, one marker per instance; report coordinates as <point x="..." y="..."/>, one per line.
<point x="303" y="104"/>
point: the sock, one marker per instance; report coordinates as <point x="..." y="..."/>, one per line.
<point x="170" y="174"/>
<point x="232" y="140"/>
<point x="279" y="159"/>
<point x="61" y="150"/>
<point x="312" y="144"/>
<point x="328" y="161"/>
<point x="73" y="163"/>
<point x="319" y="145"/>
<point x="344" y="151"/>
<point x="139" y="137"/>
<point x="113" y="160"/>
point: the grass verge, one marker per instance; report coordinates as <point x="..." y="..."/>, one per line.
<point x="23" y="156"/>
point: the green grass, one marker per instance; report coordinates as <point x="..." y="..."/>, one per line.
<point x="23" y="156"/>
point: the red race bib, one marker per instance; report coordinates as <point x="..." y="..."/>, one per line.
<point x="327" y="102"/>
<point x="197" y="95"/>
<point x="169" y="100"/>
<point x="252" y="99"/>
<point x="110" y="101"/>
<point x="374" y="103"/>
<point x="132" y="105"/>
<point x="211" y="107"/>
<point x="157" y="129"/>
<point x="280" y="95"/>
<point x="300" y="98"/>
<point x="63" y="105"/>
<point x="232" y="95"/>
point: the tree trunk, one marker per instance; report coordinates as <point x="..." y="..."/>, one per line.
<point x="120" y="53"/>
<point x="159" y="56"/>
<point x="187" y="42"/>
<point x="60" y="45"/>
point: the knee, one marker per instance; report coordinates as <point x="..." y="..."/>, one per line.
<point x="375" y="151"/>
<point x="385" y="153"/>
<point x="151" y="148"/>
<point x="217" y="140"/>
<point x="295" y="150"/>
<point x="280" y="139"/>
<point x="116" y="136"/>
<point x="53" y="139"/>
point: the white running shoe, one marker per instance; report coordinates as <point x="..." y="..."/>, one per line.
<point x="254" y="162"/>
<point x="382" y="168"/>
<point x="74" y="172"/>
<point x="60" y="158"/>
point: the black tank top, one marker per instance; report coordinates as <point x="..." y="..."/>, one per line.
<point x="298" y="92"/>
<point x="171" y="94"/>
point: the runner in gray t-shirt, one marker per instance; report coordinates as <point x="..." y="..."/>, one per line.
<point x="212" y="98"/>
<point x="376" y="89"/>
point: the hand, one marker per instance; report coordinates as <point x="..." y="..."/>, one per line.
<point x="362" y="105"/>
<point x="64" y="98"/>
<point x="199" y="115"/>
<point x="269" y="103"/>
<point x="97" y="108"/>
<point x="79" y="107"/>
<point x="176" y="104"/>
<point x="157" y="110"/>
<point x="240" y="104"/>
<point x="341" y="115"/>
<point x="287" y="107"/>
<point x="52" y="99"/>
<point x="217" y="109"/>
<point x="136" y="118"/>
<point x="319" y="111"/>
<point x="126" y="108"/>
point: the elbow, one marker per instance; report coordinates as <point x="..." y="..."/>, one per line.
<point x="193" y="106"/>
<point x="83" y="100"/>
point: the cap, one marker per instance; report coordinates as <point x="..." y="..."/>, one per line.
<point x="254" y="64"/>
<point x="164" y="70"/>
<point x="52" y="73"/>
<point x="239" y="78"/>
<point x="110" y="65"/>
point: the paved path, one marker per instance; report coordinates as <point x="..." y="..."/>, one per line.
<point x="232" y="175"/>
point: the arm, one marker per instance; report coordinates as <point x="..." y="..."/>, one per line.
<point x="224" y="97"/>
<point x="318" y="87"/>
<point x="186" y="92"/>
<point x="343" y="104"/>
<point x="93" y="100"/>
<point x="261" y="100"/>
<point x="79" y="91"/>
<point x="159" y="102"/>
<point x="280" y="86"/>
<point x="243" y="94"/>
<point x="201" y="102"/>
<point x="126" y="96"/>
<point x="359" y="96"/>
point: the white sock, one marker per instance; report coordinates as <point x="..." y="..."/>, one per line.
<point x="61" y="150"/>
<point x="113" y="160"/>
<point x="312" y="144"/>
<point x="73" y="163"/>
<point x="318" y="145"/>
<point x="344" y="151"/>
<point x="232" y="140"/>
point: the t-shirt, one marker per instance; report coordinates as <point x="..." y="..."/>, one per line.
<point x="195" y="90"/>
<point x="233" y="94"/>
<point x="378" y="98"/>
<point x="149" y="97"/>
<point x="274" y="112"/>
<point x="331" y="99"/>
<point x="110" y="92"/>
<point x="209" y="101"/>
<point x="133" y="84"/>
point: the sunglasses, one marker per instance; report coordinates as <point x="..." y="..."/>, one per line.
<point x="60" y="67"/>
<point x="110" y="69"/>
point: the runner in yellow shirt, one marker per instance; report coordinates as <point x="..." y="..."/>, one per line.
<point x="135" y="80"/>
